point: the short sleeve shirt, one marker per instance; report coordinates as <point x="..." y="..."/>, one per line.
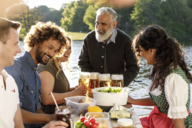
<point x="9" y="99"/>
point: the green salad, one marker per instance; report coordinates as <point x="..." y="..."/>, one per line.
<point x="110" y="90"/>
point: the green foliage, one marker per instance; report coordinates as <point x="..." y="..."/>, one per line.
<point x="27" y="17"/>
<point x="110" y="90"/>
<point x="51" y="14"/>
<point x="89" y="17"/>
<point x="73" y="16"/>
<point x="124" y="19"/>
<point x="173" y="15"/>
<point x="189" y="3"/>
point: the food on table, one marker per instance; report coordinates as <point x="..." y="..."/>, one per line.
<point x="118" y="111"/>
<point x="125" y="122"/>
<point x="110" y="90"/>
<point x="88" y="122"/>
<point x="94" y="109"/>
<point x="103" y="120"/>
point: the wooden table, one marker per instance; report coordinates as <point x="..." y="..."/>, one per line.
<point x="112" y="123"/>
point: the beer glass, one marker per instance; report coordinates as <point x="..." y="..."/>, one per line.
<point x="64" y="115"/>
<point x="116" y="80"/>
<point x="93" y="82"/>
<point x="104" y="80"/>
<point x="84" y="79"/>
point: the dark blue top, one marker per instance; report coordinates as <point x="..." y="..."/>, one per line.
<point x="28" y="82"/>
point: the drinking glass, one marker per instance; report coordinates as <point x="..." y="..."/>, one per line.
<point x="104" y="80"/>
<point x="64" y="114"/>
<point x="116" y="80"/>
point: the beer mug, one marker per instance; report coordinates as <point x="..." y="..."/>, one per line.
<point x="104" y="80"/>
<point x="93" y="82"/>
<point x="116" y="80"/>
<point x="84" y="78"/>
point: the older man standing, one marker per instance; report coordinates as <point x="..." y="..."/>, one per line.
<point x="44" y="41"/>
<point x="107" y="49"/>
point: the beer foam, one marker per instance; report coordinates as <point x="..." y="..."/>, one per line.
<point x="94" y="75"/>
<point x="117" y="77"/>
<point x="84" y="75"/>
<point x="104" y="77"/>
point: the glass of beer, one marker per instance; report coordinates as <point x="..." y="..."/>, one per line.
<point x="64" y="115"/>
<point x="93" y="82"/>
<point x="117" y="80"/>
<point x="84" y="79"/>
<point x="104" y="80"/>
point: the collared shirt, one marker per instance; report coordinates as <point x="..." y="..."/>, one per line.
<point x="28" y="82"/>
<point x="9" y="99"/>
<point x="113" y="36"/>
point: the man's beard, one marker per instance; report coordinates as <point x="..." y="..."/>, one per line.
<point x="39" y="56"/>
<point x="105" y="36"/>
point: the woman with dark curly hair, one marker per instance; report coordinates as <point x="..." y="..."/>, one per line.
<point x="170" y="88"/>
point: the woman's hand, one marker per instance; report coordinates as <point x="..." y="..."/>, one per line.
<point x="80" y="90"/>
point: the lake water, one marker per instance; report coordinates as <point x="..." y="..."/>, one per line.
<point x="137" y="90"/>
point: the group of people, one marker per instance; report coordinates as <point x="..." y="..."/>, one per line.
<point x="26" y="82"/>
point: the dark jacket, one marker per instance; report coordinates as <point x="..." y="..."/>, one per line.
<point x="119" y="56"/>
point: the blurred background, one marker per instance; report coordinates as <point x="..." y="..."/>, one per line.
<point x="77" y="17"/>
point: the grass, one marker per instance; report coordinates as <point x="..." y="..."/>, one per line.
<point x="76" y="35"/>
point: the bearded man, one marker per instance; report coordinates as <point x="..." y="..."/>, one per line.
<point x="107" y="49"/>
<point x="44" y="41"/>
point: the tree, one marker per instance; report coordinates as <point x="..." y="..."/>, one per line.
<point x="146" y="12"/>
<point x="189" y="3"/>
<point x="73" y="16"/>
<point x="124" y="19"/>
<point x="173" y="15"/>
<point x="51" y="14"/>
<point x="27" y="17"/>
<point x="89" y="17"/>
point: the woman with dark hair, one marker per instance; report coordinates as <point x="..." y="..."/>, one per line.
<point x="53" y="79"/>
<point x="170" y="88"/>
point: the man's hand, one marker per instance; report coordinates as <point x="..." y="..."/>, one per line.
<point x="56" y="124"/>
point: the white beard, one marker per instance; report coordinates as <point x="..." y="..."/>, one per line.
<point x="105" y="36"/>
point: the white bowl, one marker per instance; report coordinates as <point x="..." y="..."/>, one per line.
<point x="109" y="99"/>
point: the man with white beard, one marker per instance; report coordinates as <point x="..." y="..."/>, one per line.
<point x="107" y="49"/>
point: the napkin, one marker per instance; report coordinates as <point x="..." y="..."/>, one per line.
<point x="136" y="119"/>
<point x="118" y="111"/>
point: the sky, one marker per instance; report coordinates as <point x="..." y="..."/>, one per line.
<point x="56" y="4"/>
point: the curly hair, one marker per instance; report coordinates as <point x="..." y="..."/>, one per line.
<point x="44" y="31"/>
<point x="168" y="53"/>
